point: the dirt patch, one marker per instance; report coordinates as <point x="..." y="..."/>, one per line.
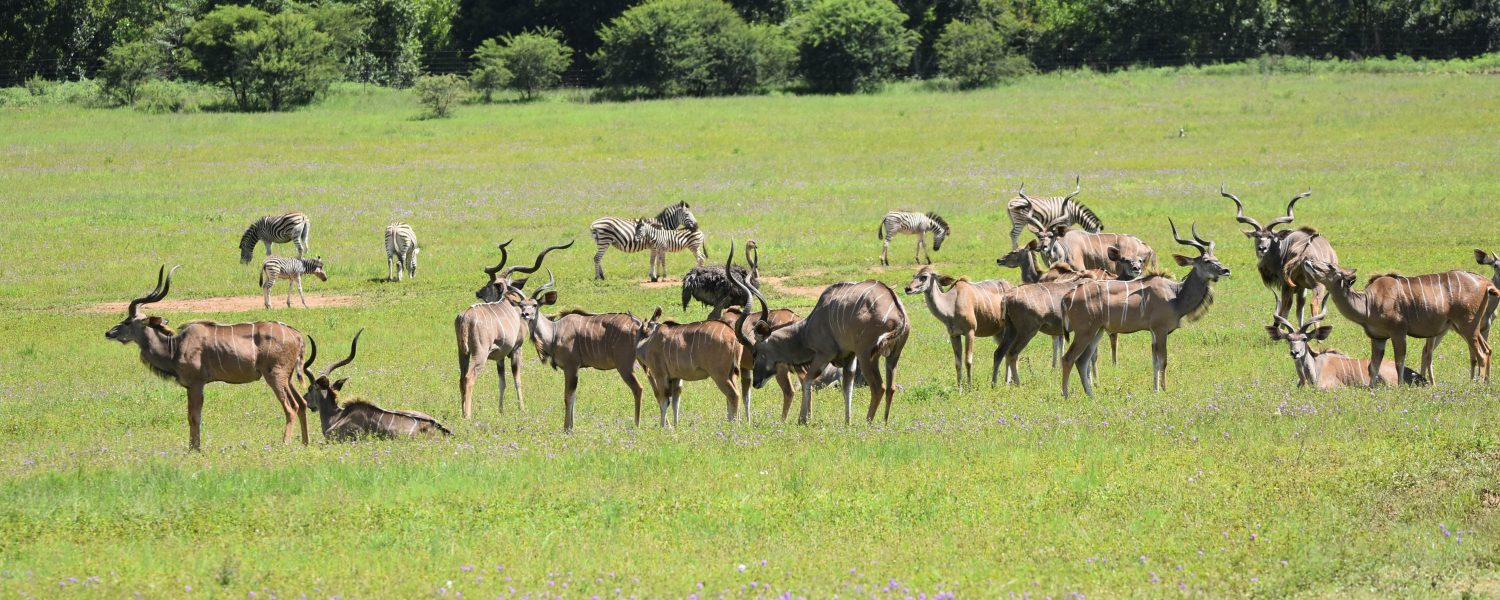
<point x="1489" y="499"/>
<point x="664" y="283"/>
<point x="233" y="304"/>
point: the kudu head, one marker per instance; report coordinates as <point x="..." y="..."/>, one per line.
<point x="502" y="285"/>
<point x="925" y="278"/>
<point x="1015" y="258"/>
<point x="322" y="392"/>
<point x="1049" y="240"/>
<point x="1335" y="277"/>
<point x="1488" y="258"/>
<point x="1265" y="237"/>
<point x="531" y="307"/>
<point x="1205" y="265"/>
<point x="314" y="267"/>
<point x="133" y="328"/>
<point x="1127" y="266"/>
<point x="649" y="326"/>
<point x="1296" y="338"/>
<point x="766" y="345"/>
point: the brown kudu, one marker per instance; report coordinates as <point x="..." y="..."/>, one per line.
<point x="358" y="418"/>
<point x="576" y="339"/>
<point x="1280" y="255"/>
<point x="203" y="352"/>
<point x="1330" y="368"/>
<point x="966" y="310"/>
<point x="672" y="352"/>
<point x="493" y="329"/>
<point x="779" y="317"/>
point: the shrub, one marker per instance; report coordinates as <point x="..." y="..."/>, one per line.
<point x="974" y="55"/>
<point x="127" y="67"/>
<point x="160" y="96"/>
<point x="536" y="61"/>
<point x="489" y="72"/>
<point x="675" y="47"/>
<point x="849" y="45"/>
<point x="439" y="93"/>
<point x="288" y="62"/>
<point x="775" y="54"/>
<point x="210" y="43"/>
<point x="38" y="87"/>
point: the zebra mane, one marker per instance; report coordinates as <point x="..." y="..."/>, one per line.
<point x="936" y="218"/>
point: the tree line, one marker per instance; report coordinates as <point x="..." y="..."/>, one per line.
<point x="275" y="54"/>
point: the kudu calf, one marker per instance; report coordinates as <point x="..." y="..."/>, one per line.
<point x="1153" y="303"/>
<point x="203" y="352"/>
<point x="576" y="339"/>
<point x="1281" y="254"/>
<point x="672" y="352"/>
<point x="967" y="309"/>
<point x="1330" y="368"/>
<point x="358" y="418"/>
<point x="1392" y="307"/>
<point x="493" y="329"/>
<point x="852" y="322"/>
<point x="1124" y="255"/>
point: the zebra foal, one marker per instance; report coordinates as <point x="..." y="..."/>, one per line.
<point x="1042" y="210"/>
<point x="292" y="270"/>
<point x="290" y="227"/>
<point x="675" y="241"/>
<point x="628" y="235"/>
<point x="915" y="223"/>
<point x="400" y="251"/>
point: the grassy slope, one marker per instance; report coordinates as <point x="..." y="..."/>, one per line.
<point x="1231" y="483"/>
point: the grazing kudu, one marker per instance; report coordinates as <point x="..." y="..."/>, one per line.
<point x="779" y="317"/>
<point x="1153" y="303"/>
<point x="358" y="418"/>
<point x="709" y="285"/>
<point x="673" y="352"/>
<point x="1280" y="255"/>
<point x="852" y="322"/>
<point x="202" y="352"/>
<point x="576" y="339"/>
<point x="967" y="309"/>
<point x="1330" y="368"/>
<point x="1392" y="307"/>
<point x="1124" y="255"/>
<point x="493" y="330"/>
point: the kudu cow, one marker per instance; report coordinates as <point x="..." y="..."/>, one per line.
<point x="1493" y="261"/>
<point x="1330" y="368"/>
<point x="203" y="352"/>
<point x="1280" y="255"/>
<point x="576" y="339"/>
<point x="852" y="322"/>
<point x="1124" y="255"/>
<point x="1153" y="303"/>
<point x="493" y="329"/>
<point x="1392" y="307"/>
<point x="672" y="352"/>
<point x="358" y="418"/>
<point x="1043" y="305"/>
<point x="967" y="309"/>
<point x="779" y="317"/>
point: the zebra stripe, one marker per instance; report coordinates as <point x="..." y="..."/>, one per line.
<point x="1046" y="210"/>
<point x="677" y="216"/>
<point x="400" y="250"/>
<point x="290" y="227"/>
<point x="290" y="269"/>
<point x="896" y="222"/>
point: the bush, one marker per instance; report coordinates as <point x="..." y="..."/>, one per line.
<point x="850" y="45"/>
<point x="775" y="54"/>
<point x="676" y="47"/>
<point x="489" y="72"/>
<point x="127" y="67"/>
<point x="267" y="62"/>
<point x="161" y="96"/>
<point x="38" y="87"/>
<point x="536" y="61"/>
<point x="393" y="50"/>
<point x="439" y="93"/>
<point x="974" y="55"/>
<point x="210" y="44"/>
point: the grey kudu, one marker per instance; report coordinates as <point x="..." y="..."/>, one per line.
<point x="358" y="418"/>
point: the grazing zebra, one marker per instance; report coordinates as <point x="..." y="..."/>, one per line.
<point x="1025" y="210"/>
<point x="906" y="222"/>
<point x="292" y="270"/>
<point x="400" y="250"/>
<point x="291" y="227"/>
<point x="675" y="241"/>
<point x="627" y="235"/>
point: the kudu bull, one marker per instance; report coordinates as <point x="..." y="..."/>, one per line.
<point x="851" y="323"/>
<point x="358" y="418"/>
<point x="672" y="352"/>
<point x="1153" y="303"/>
<point x="1330" y="368"/>
<point x="1281" y="254"/>
<point x="1392" y="307"/>
<point x="493" y="329"/>
<point x="203" y="352"/>
<point x="967" y="309"/>
<point x="577" y="339"/>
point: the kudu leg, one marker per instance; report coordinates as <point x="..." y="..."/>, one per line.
<point x="515" y="377"/>
<point x="468" y="371"/>
<point x="969" y="358"/>
<point x="1429" y="346"/>
<point x="1159" y="360"/>
<point x="890" y="381"/>
<point x="500" y="371"/>
<point x="1377" y="356"/>
<point x="1088" y="363"/>
<point x="1013" y="356"/>
<point x="846" y="383"/>
<point x="870" y="366"/>
<point x="814" y="369"/>
<point x="195" y="417"/>
<point x="957" y="341"/>
<point x="1284" y="304"/>
<point x="627" y="374"/>
<point x="1398" y="352"/>
<point x="784" y="380"/>
<point x="674" y="393"/>
<point x="731" y="397"/>
<point x="1002" y="343"/>
<point x="663" y="393"/>
<point x="1076" y="350"/>
<point x="1114" y="347"/>
<point x="570" y="397"/>
<point x="1057" y="349"/>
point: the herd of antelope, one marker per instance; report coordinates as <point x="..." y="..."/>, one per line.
<point x="1077" y="283"/>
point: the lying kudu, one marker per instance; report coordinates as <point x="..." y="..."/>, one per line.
<point x="779" y="317"/>
<point x="493" y="329"/>
<point x="1281" y="254"/>
<point x="576" y="339"/>
<point x="1153" y="303"/>
<point x="852" y="322"/>
<point x="1124" y="255"/>
<point x="1330" y="368"/>
<point x="672" y="352"/>
<point x="203" y="352"/>
<point x="358" y="419"/>
<point x="967" y="309"/>
<point x="1392" y="307"/>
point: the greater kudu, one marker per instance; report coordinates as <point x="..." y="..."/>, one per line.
<point x="967" y="309"/>
<point x="1280" y="255"/>
<point x="576" y="339"/>
<point x="779" y="317"/>
<point x="672" y="352"/>
<point x="358" y="418"/>
<point x="1330" y="368"/>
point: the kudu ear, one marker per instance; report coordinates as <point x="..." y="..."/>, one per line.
<point x="1182" y="261"/>
<point x="519" y="284"/>
<point x="656" y="315"/>
<point x="1034" y="245"/>
<point x="1322" y="333"/>
<point x="762" y="328"/>
<point x="548" y="299"/>
<point x="156" y="321"/>
<point x="1275" y="332"/>
<point x="339" y="385"/>
<point x="1483" y="258"/>
<point x="1113" y="253"/>
<point x="945" y="281"/>
<point x="1250" y="233"/>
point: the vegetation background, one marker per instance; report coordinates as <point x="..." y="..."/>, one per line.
<point x="1231" y="483"/>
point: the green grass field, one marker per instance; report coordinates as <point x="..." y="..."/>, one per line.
<point x="1233" y="483"/>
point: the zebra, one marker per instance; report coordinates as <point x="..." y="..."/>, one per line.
<point x="1025" y="210"/>
<point x="290" y="227"/>
<point x="908" y="222"/>
<point x="625" y="234"/>
<point x="675" y="241"/>
<point x="400" y="250"/>
<point x="292" y="270"/>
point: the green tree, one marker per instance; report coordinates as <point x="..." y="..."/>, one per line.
<point x="536" y="60"/>
<point x="676" y="47"/>
<point x="210" y="43"/>
<point x="439" y="93"/>
<point x="974" y="55"/>
<point x="849" y="45"/>
<point x="345" y="25"/>
<point x="287" y="62"/>
<point x="490" y="73"/>
<point x="127" y="67"/>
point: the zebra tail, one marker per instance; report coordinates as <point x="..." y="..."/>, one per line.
<point x="880" y="231"/>
<point x="262" y="279"/>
